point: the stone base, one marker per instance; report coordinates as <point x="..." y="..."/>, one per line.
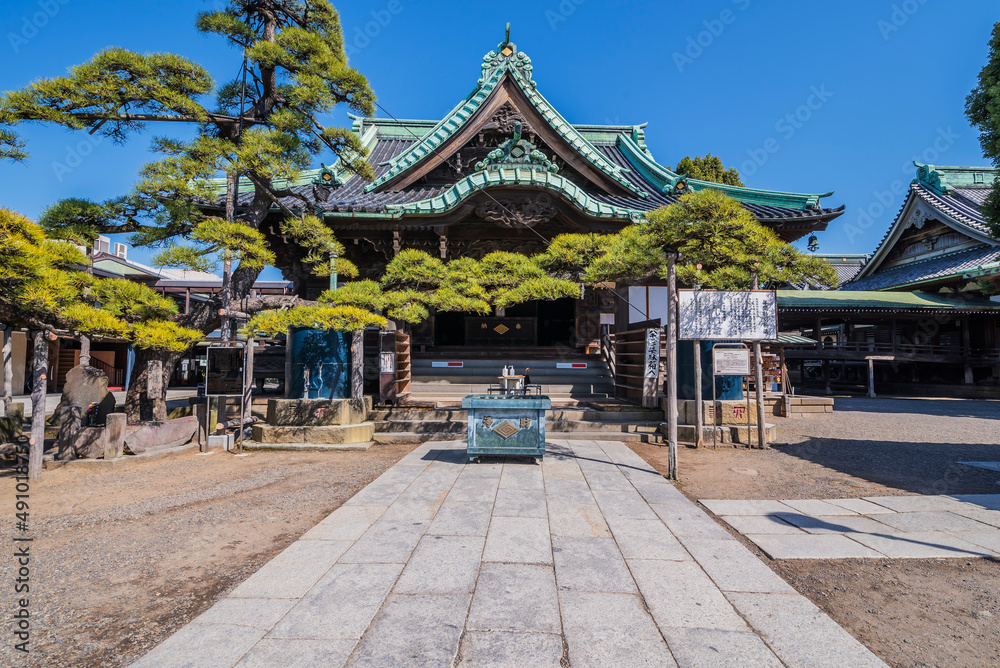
<point x="317" y="412"/>
<point x="728" y="435"/>
<point x="325" y="435"/>
<point x="309" y="447"/>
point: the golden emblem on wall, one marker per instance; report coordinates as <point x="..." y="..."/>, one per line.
<point x="501" y="329"/>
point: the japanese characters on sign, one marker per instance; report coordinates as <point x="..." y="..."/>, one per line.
<point x="727" y="315"/>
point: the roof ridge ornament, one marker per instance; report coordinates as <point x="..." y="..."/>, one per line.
<point x="506" y="56"/>
<point x="932" y="178"/>
<point x="516" y="151"/>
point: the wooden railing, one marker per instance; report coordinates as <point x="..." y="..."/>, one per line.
<point x="907" y="349"/>
<point x="116" y="377"/>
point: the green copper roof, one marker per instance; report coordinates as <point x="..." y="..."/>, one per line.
<point x="943" y="180"/>
<point x="672" y="182"/>
<point x="520" y="175"/>
<point x="506" y="60"/>
<point x="867" y="299"/>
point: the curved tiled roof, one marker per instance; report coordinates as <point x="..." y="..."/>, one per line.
<point x="930" y="269"/>
<point x="619" y="152"/>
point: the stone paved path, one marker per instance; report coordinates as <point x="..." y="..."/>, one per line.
<point x="589" y="559"/>
<point x="898" y="527"/>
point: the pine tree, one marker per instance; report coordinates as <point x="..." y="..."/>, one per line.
<point x="706" y="228"/>
<point x="45" y="287"/>
<point x="708" y="168"/>
<point x="982" y="107"/>
<point x="296" y="71"/>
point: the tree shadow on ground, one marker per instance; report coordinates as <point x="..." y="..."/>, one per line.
<point x="987" y="409"/>
<point x="920" y="468"/>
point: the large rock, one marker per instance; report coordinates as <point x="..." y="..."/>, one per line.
<point x="158" y="435"/>
<point x="86" y="386"/>
<point x="317" y="412"/>
<point x="89" y="442"/>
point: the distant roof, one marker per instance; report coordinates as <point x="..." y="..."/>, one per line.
<point x="953" y="195"/>
<point x="846" y="266"/>
<point x="953" y="264"/>
<point x="867" y="300"/>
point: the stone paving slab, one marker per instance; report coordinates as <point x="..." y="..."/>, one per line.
<point x="504" y="649"/>
<point x="812" y="546"/>
<point x="896" y="527"/>
<point x="748" y="524"/>
<point x="588" y="559"/>
<point x="800" y="633"/>
<point x="611" y="630"/>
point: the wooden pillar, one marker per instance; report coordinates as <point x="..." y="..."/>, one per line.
<point x="248" y="382"/>
<point x="699" y="415"/>
<point x="187" y="300"/>
<point x="892" y="334"/>
<point x="818" y="333"/>
<point x="672" y="364"/>
<point x="40" y="368"/>
<point x="967" y="350"/>
<point x="826" y="377"/>
<point x="871" y="378"/>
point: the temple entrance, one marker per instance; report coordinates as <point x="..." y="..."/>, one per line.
<point x="536" y="323"/>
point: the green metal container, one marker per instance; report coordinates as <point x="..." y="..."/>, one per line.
<point x="506" y="425"/>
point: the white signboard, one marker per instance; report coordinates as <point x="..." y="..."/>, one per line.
<point x="727" y="315"/>
<point x="731" y="362"/>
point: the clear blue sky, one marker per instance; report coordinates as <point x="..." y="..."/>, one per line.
<point x="845" y="95"/>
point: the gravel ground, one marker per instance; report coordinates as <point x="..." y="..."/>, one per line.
<point x="912" y="612"/>
<point x="122" y="558"/>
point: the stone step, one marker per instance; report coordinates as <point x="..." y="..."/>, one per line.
<point x="405" y="414"/>
<point x="396" y="438"/>
<point x="551" y="427"/>
<point x="730" y="435"/>
<point x="418" y="388"/>
<point x="325" y="435"/>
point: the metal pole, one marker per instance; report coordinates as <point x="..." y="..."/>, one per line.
<point x="672" y="363"/>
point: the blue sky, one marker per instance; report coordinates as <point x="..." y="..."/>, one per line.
<point x="805" y="97"/>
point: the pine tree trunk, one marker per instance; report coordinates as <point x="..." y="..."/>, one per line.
<point x="40" y="368"/>
<point x="139" y="406"/>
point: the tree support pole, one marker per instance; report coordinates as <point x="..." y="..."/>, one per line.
<point x="672" y="364"/>
<point x="8" y="369"/>
<point x="758" y="380"/>
<point x="40" y="369"/>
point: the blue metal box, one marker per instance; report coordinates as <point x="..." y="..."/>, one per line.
<point x="506" y="425"/>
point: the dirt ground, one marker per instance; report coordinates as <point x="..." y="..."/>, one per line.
<point x="123" y="558"/>
<point x="912" y="612"/>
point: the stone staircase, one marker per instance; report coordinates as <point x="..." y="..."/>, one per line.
<point x="567" y="379"/>
<point x="415" y="423"/>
